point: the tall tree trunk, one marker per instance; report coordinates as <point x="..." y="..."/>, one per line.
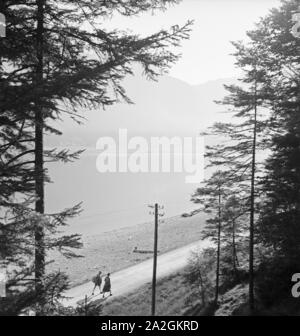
<point x="218" y="251"/>
<point x="234" y="256"/>
<point x="201" y="284"/>
<point x="39" y="161"/>
<point x="252" y="199"/>
<point x="202" y="288"/>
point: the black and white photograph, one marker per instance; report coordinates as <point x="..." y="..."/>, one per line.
<point x="149" y="160"/>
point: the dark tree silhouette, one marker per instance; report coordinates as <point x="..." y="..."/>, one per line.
<point x="58" y="58"/>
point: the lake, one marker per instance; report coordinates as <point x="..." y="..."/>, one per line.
<point x="113" y="200"/>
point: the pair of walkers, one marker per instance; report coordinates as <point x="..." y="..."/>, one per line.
<point x="97" y="280"/>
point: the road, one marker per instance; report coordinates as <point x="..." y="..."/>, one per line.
<point x="131" y="278"/>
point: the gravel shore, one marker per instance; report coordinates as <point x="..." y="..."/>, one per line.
<point x="113" y="250"/>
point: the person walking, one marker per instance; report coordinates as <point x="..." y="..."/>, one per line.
<point x="97" y="280"/>
<point x="107" y="285"/>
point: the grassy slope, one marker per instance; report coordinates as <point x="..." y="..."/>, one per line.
<point x="173" y="295"/>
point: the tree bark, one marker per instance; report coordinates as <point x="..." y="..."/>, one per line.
<point x="252" y="210"/>
<point x="218" y="251"/>
<point x="233" y="247"/>
<point x="39" y="161"/>
<point x="235" y="259"/>
<point x="202" y="288"/>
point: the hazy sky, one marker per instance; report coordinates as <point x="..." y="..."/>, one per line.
<point x="217" y="22"/>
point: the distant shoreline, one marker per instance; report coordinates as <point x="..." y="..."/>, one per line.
<point x="112" y="251"/>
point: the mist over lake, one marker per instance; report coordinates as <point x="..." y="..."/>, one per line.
<point x="114" y="200"/>
<point x="169" y="108"/>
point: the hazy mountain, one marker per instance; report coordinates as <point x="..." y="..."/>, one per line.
<point x="167" y="107"/>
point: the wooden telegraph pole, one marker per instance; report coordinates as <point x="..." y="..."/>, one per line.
<point x="156" y="215"/>
<point x="154" y="259"/>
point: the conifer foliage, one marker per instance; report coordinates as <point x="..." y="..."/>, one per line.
<point x="258" y="152"/>
<point x="58" y="57"/>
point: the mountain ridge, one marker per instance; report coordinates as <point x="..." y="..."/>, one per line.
<point x="169" y="106"/>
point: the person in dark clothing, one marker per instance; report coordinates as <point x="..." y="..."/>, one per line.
<point x="107" y="285"/>
<point x="97" y="280"/>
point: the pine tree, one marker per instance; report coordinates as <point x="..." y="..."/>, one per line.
<point x="198" y="272"/>
<point x="281" y="183"/>
<point x="279" y="222"/>
<point x="212" y="197"/>
<point x="271" y="61"/>
<point x="51" y="65"/>
<point x="244" y="138"/>
<point x="234" y="217"/>
<point x="277" y="229"/>
<point x="266" y="105"/>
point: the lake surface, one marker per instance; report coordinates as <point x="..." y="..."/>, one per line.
<point x="113" y="200"/>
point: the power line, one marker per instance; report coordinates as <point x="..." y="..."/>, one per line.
<point x="111" y="212"/>
<point x="125" y="210"/>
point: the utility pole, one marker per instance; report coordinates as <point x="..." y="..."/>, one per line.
<point x="154" y="259"/>
<point x="156" y="215"/>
